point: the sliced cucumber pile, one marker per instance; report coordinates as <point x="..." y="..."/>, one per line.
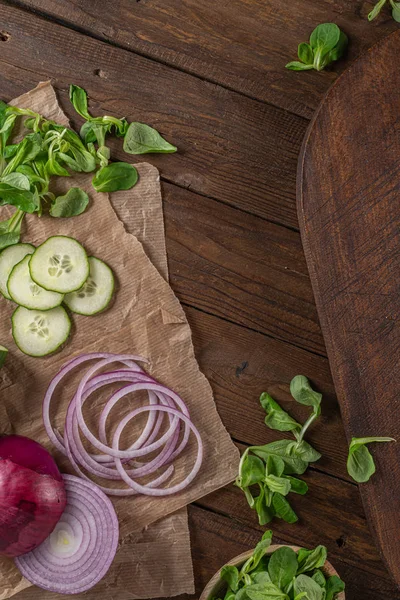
<point x="40" y="279"/>
<point x="60" y="265"/>
<point x="39" y="333"/>
<point x="10" y="257"/>
<point x="96" y="293"/>
<point x="25" y="292"/>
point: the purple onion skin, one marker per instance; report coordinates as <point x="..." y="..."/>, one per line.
<point x="32" y="495"/>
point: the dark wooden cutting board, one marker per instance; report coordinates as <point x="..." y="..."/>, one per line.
<point x="349" y="213"/>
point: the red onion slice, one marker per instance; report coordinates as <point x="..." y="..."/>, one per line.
<point x="111" y="462"/>
<point x="116" y="491"/>
<point x="109" y="471"/>
<point x="69" y="366"/>
<point x="81" y="548"/>
<point x="80" y="399"/>
<point x="145" y="489"/>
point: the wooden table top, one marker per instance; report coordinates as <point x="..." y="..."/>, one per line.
<point x="210" y="76"/>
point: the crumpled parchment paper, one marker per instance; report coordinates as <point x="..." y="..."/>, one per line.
<point x="155" y="560"/>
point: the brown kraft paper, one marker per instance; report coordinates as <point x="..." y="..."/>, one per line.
<point x="146" y="318"/>
<point x="157" y="561"/>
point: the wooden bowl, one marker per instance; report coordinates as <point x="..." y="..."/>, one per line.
<point x="217" y="587"/>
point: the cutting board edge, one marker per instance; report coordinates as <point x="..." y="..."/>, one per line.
<point x="314" y="282"/>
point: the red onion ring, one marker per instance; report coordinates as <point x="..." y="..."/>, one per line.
<point x="143" y="489"/>
<point x="114" y="463"/>
<point x="75" y="362"/>
<point x="110" y="472"/>
<point x="116" y="491"/>
<point x="89" y="461"/>
<point x="82" y="547"/>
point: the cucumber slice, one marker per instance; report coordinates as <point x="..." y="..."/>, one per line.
<point x="8" y="259"/>
<point x="25" y="292"/>
<point x="3" y="355"/>
<point x="60" y="265"/>
<point x="96" y="293"/>
<point x="39" y="333"/>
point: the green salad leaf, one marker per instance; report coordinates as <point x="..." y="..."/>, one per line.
<point x="271" y="467"/>
<point x="282" y="574"/>
<point x="3" y="355"/>
<point x="327" y="44"/>
<point x="282" y="509"/>
<point x="395" y="6"/>
<point x="116" y="176"/>
<point x="311" y="559"/>
<point x="334" y="586"/>
<point x="395" y="10"/>
<point x="360" y="463"/>
<point x="277" y="418"/>
<point x="79" y="100"/>
<point x="307" y="585"/>
<point x="17" y="180"/>
<point x="376" y="10"/>
<point x="282" y="567"/>
<point x="143" y="139"/>
<point x="73" y="203"/>
<point x="231" y="576"/>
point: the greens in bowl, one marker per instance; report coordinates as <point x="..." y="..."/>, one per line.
<point x="277" y="573"/>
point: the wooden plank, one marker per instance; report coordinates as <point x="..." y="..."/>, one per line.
<point x="348" y="207"/>
<point x="217" y="538"/>
<point x="240" y="364"/>
<point x="240" y="267"/>
<point x="232" y="148"/>
<point x="241" y="44"/>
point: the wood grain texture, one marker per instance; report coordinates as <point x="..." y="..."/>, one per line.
<point x="240" y="267"/>
<point x="348" y="207"/>
<point x="242" y="44"/>
<point x="232" y="148"/>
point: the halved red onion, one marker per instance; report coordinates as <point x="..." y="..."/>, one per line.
<point x="113" y="463"/>
<point x="80" y="550"/>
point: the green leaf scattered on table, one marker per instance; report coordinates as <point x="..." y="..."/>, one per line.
<point x="266" y="472"/>
<point x="281" y="575"/>
<point x="395" y="10"/>
<point x="78" y="98"/>
<point x="327" y="44"/>
<point x="276" y="417"/>
<point x="143" y="139"/>
<point x="360" y="463"/>
<point x="378" y="7"/>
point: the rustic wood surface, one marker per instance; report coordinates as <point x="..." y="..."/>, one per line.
<point x="210" y="76"/>
<point x="347" y="191"/>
